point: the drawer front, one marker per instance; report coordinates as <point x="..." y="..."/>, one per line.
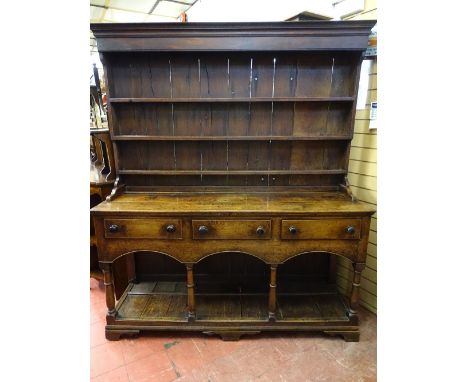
<point x="321" y="229"/>
<point x="143" y="228"/>
<point x="231" y="229"/>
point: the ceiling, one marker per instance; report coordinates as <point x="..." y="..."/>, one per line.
<point x="131" y="11"/>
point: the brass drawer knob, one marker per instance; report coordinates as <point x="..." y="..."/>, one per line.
<point x="114" y="228"/>
<point x="171" y="228"/>
<point x="292" y="230"/>
<point x="260" y="231"/>
<point x="350" y="229"/>
<point x="203" y="229"/>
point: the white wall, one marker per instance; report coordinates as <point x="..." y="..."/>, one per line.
<point x="255" y="10"/>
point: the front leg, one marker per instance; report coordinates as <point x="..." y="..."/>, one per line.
<point x="109" y="284"/>
<point x="354" y="299"/>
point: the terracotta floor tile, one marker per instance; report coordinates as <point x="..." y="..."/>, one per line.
<point x="206" y="373"/>
<point x="106" y="357"/>
<point x="137" y="348"/>
<point x="116" y="375"/>
<point x="156" y="367"/>
<point x="185" y="356"/>
<point x="211" y="348"/>
<point x="255" y="363"/>
<point x="98" y="335"/>
<point x="313" y="365"/>
<point x="97" y="314"/>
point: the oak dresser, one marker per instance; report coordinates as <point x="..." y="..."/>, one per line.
<point x="231" y="202"/>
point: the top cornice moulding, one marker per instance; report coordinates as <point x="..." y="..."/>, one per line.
<point x="260" y="36"/>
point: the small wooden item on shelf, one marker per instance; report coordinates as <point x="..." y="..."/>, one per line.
<point x="231" y="201"/>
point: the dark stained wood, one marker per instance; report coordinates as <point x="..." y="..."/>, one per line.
<point x="109" y="284"/>
<point x="190" y="293"/>
<point x="347" y="229"/>
<point x="231" y="201"/>
<point x="192" y="203"/>
<point x="231" y="100"/>
<point x="231" y="229"/>
<point x="227" y="171"/>
<point x="354" y="300"/>
<point x="271" y="36"/>
<point x="272" y="295"/>
<point x="229" y="138"/>
<point x="143" y="228"/>
<point x="312" y="307"/>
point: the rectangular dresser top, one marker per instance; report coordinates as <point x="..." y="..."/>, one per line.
<point x="175" y="203"/>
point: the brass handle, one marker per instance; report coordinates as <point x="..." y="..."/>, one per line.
<point x="292" y="230"/>
<point x="114" y="228"/>
<point x="350" y="229"/>
<point x="260" y="231"/>
<point x="203" y="229"/>
<point x="171" y="228"/>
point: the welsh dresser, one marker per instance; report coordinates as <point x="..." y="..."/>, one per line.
<point x="231" y="201"/>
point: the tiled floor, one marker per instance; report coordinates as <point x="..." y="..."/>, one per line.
<point x="196" y="357"/>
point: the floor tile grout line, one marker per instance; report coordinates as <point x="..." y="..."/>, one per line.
<point x="126" y="372"/>
<point x="125" y="364"/>
<point x="109" y="371"/>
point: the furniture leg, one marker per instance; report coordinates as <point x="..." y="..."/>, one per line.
<point x="354" y="299"/>
<point x="109" y="284"/>
<point x="190" y="293"/>
<point x="272" y="295"/>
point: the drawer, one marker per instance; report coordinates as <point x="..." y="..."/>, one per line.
<point x="231" y="229"/>
<point x="143" y="228"/>
<point x="321" y="229"/>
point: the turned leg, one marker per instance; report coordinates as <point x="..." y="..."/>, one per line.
<point x="354" y="299"/>
<point x="272" y="295"/>
<point x="190" y="293"/>
<point x="109" y="285"/>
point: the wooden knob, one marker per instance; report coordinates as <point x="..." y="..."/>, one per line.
<point x="260" y="231"/>
<point x="171" y="228"/>
<point x="292" y="230"/>
<point x="114" y="228"/>
<point x="350" y="229"/>
<point x="203" y="229"/>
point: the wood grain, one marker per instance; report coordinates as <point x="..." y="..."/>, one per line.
<point x="225" y="136"/>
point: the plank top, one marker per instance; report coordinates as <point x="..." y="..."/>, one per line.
<point x="312" y="203"/>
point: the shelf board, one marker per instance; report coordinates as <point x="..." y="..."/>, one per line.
<point x="232" y="172"/>
<point x="240" y="99"/>
<point x="313" y="306"/>
<point x="149" y="303"/>
<point x="164" y="307"/>
<point x="229" y="138"/>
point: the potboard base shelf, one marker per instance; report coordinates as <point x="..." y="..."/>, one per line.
<point x="162" y="306"/>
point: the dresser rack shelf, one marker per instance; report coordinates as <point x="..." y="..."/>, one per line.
<point x="231" y="203"/>
<point x="229" y="138"/>
<point x="232" y="172"/>
<point x="239" y="99"/>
